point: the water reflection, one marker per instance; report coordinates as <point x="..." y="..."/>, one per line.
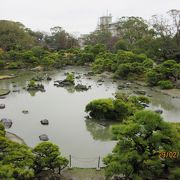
<point x="69" y="89"/>
<point x="99" y="130"/>
<point x="165" y="102"/>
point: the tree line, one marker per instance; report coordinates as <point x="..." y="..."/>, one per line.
<point x="147" y="51"/>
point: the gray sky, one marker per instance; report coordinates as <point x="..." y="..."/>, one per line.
<point x="78" y="15"/>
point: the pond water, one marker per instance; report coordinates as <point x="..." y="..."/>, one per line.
<point x="85" y="140"/>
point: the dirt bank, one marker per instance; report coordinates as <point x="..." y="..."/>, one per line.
<point x="15" y="138"/>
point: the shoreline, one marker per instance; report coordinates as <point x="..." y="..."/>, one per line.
<point x="15" y="138"/>
<point x="6" y="77"/>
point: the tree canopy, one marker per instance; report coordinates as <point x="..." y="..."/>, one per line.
<point x="14" y="36"/>
<point x="140" y="141"/>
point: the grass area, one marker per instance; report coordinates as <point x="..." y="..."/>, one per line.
<point x="83" y="174"/>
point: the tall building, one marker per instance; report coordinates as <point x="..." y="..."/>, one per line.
<point x="105" y="23"/>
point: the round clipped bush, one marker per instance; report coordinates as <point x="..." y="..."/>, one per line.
<point x="107" y="109"/>
<point x="165" y="84"/>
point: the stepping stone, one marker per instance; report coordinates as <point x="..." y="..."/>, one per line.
<point x="25" y="111"/>
<point x="43" y="137"/>
<point x="44" y="122"/>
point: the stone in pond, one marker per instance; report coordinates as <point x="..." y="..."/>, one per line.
<point x="16" y="90"/>
<point x="2" y="106"/>
<point x="6" y="122"/>
<point x="44" y="122"/>
<point x="159" y="111"/>
<point x="144" y="104"/>
<point x="140" y="92"/>
<point x="128" y="83"/>
<point x="100" y="80"/>
<point x="49" y="78"/>
<point x="78" y="77"/>
<point x="81" y="87"/>
<point x="25" y="111"/>
<point x="43" y="137"/>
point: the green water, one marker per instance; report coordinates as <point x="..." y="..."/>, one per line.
<point x="84" y="139"/>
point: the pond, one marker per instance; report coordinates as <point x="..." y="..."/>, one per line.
<point x="83" y="139"/>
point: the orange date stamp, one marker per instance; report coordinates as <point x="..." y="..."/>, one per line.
<point x="170" y="154"/>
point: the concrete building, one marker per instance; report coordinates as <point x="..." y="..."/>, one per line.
<point x="105" y="23"/>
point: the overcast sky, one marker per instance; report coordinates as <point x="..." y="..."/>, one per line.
<point x="78" y="15"/>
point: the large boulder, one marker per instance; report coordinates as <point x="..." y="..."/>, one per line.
<point x="144" y="104"/>
<point x="43" y="137"/>
<point x="36" y="87"/>
<point x="63" y="83"/>
<point x="48" y="78"/>
<point x="140" y="92"/>
<point x="159" y="111"/>
<point x="80" y="87"/>
<point x="6" y="122"/>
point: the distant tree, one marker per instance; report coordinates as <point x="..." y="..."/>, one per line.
<point x="167" y="35"/>
<point x="175" y="14"/>
<point x="13" y="36"/>
<point x="38" y="36"/>
<point x="101" y="37"/>
<point x="131" y="29"/>
<point x="60" y="39"/>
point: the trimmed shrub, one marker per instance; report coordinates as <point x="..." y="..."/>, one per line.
<point x="165" y="84"/>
